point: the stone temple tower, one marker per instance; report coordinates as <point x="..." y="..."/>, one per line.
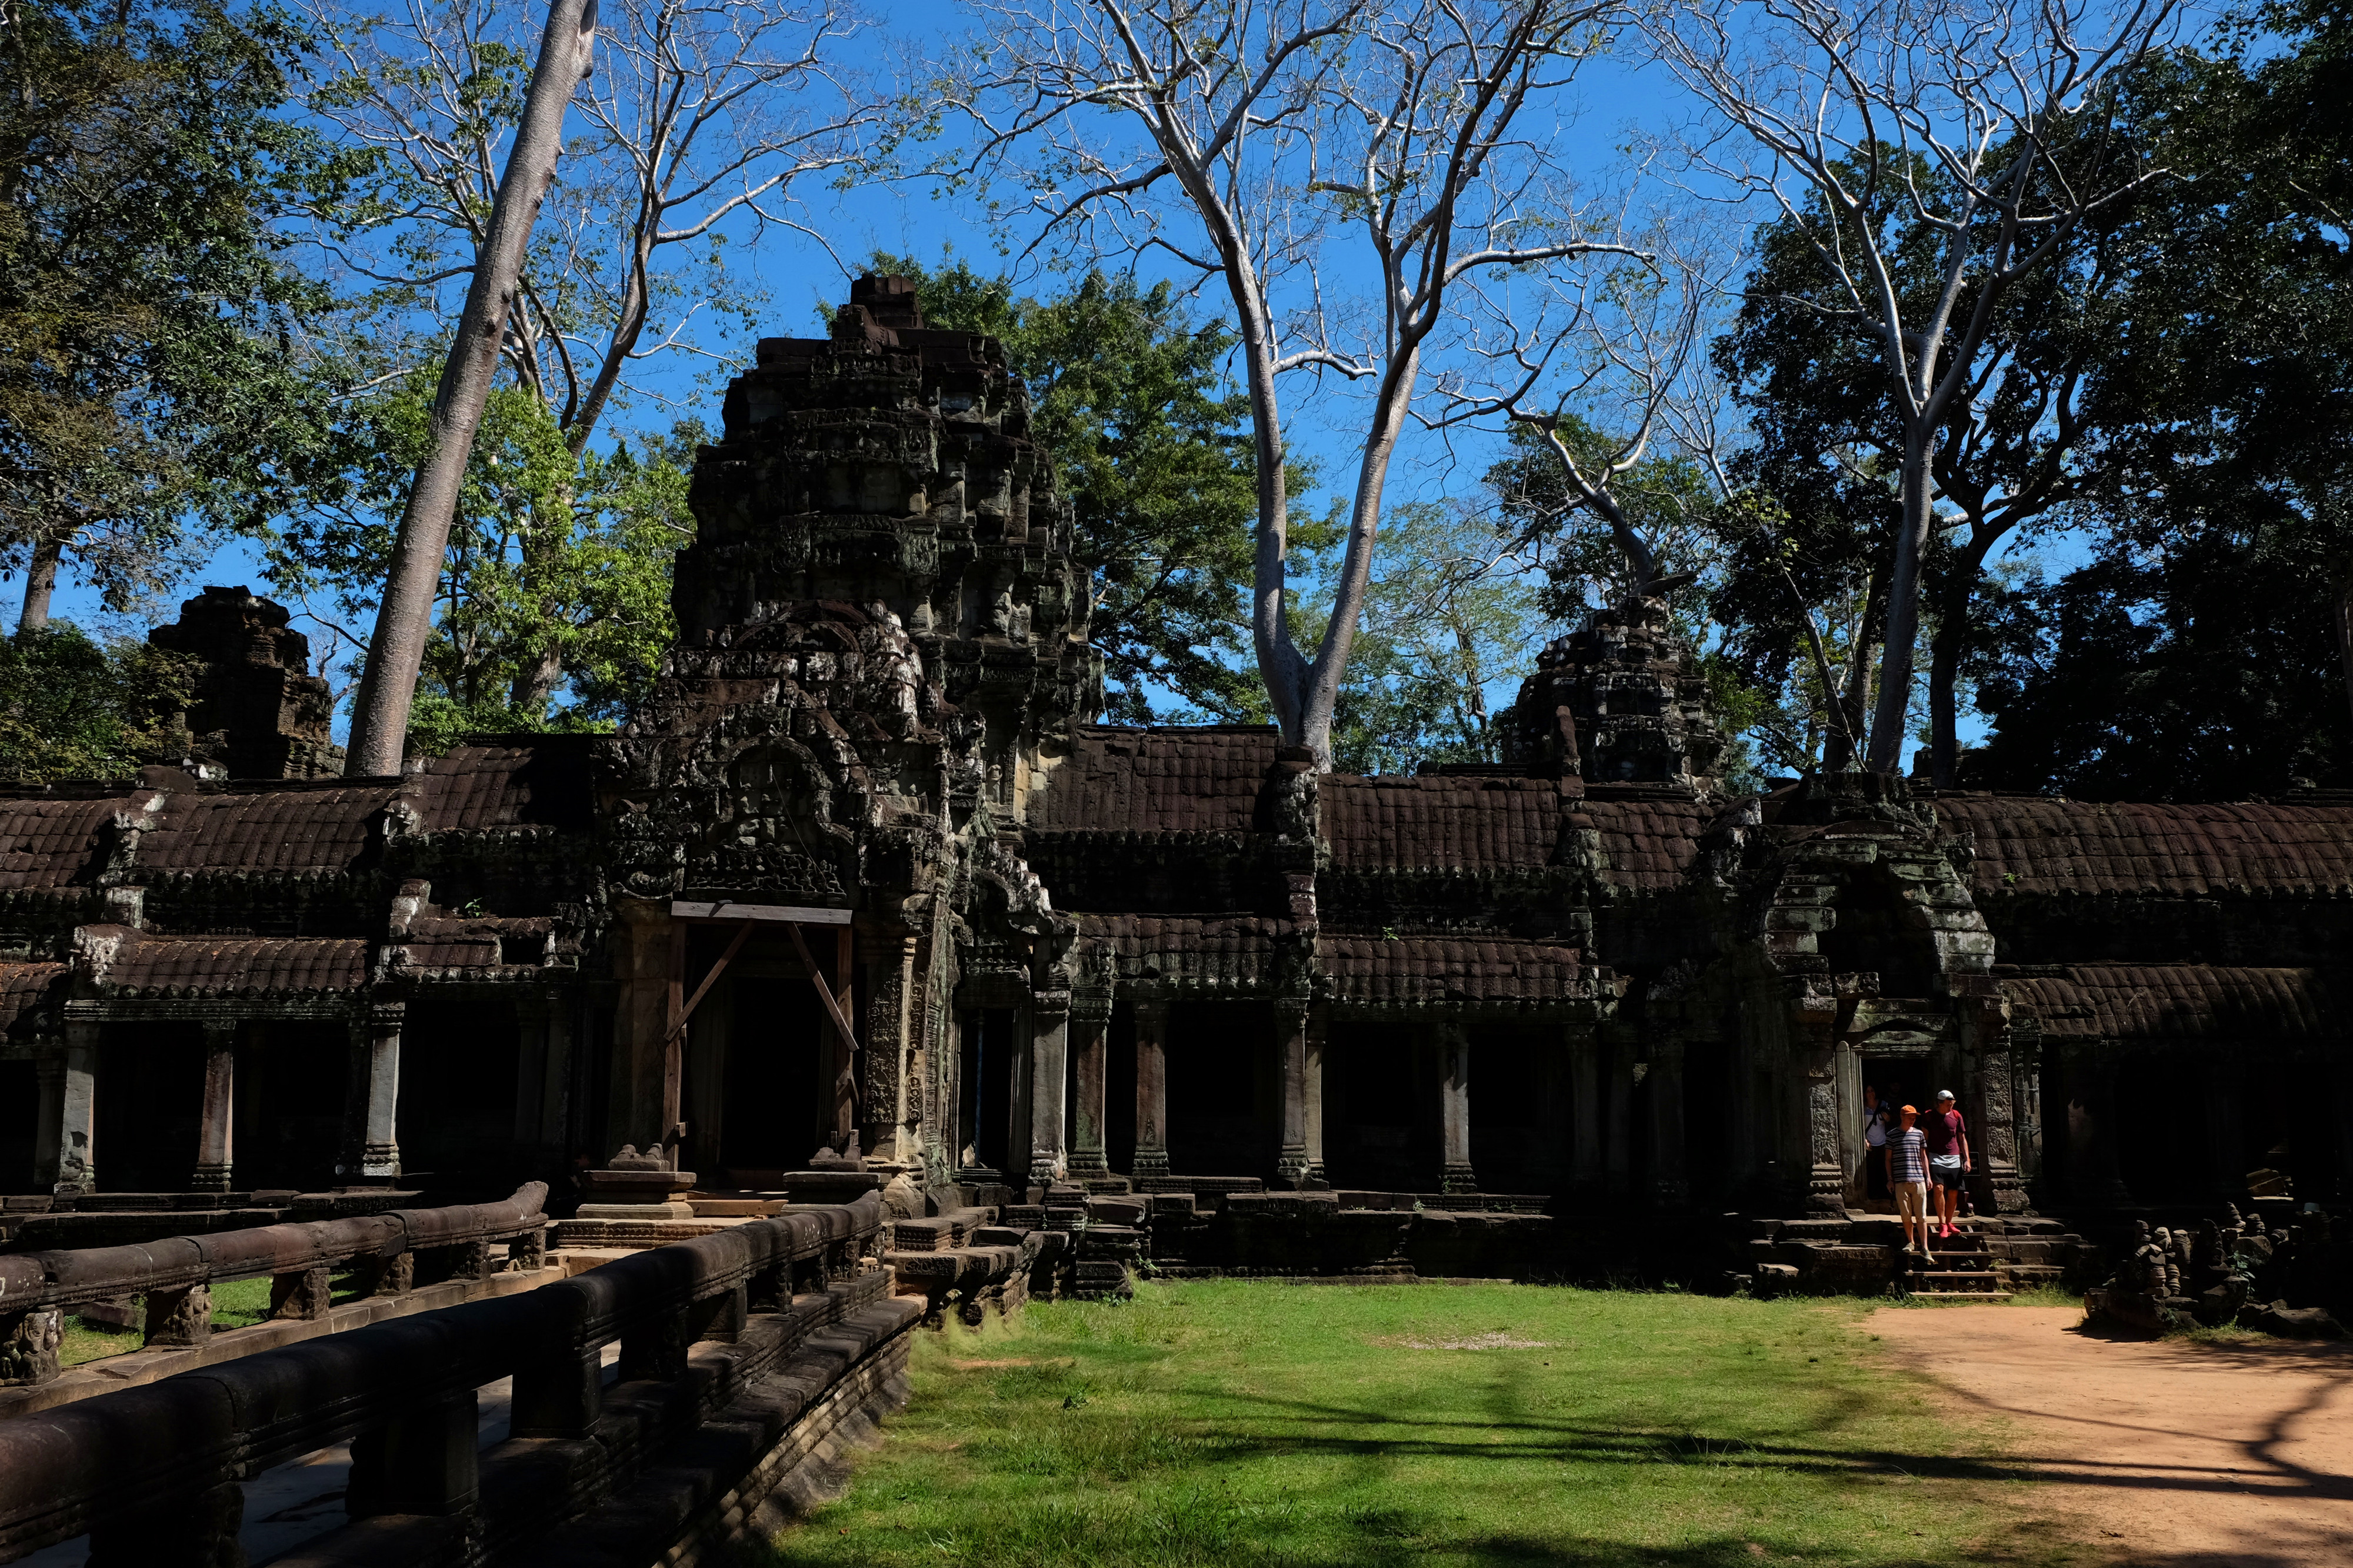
<point x="1620" y="701"/>
<point x="891" y="465"/>
<point x="259" y="711"/>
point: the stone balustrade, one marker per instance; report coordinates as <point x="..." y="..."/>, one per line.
<point x="176" y="1274"/>
<point x="743" y="1356"/>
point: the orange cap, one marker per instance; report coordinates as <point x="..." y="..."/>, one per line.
<point x="1911" y="1110"/>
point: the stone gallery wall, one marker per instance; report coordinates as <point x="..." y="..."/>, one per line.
<point x="1584" y="978"/>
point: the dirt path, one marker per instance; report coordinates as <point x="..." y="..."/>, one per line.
<point x="2181" y="1455"/>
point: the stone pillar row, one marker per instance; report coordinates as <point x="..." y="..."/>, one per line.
<point x="1061" y="1074"/>
<point x="65" y="1147"/>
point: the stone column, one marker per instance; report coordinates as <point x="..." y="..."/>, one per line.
<point x="1847" y="1063"/>
<point x="888" y="1121"/>
<point x="2344" y="1132"/>
<point x="1298" y="1164"/>
<point x="77" y="1136"/>
<point x="1670" y="1182"/>
<point x="2092" y="1174"/>
<point x="1151" y="1088"/>
<point x="531" y="1066"/>
<point x="1825" y="1182"/>
<point x="556" y="1084"/>
<point x="1588" y="1177"/>
<point x="1050" y="1066"/>
<point x="1319" y="1021"/>
<point x="640" y="946"/>
<point x="1621" y="1122"/>
<point x="2226" y="1137"/>
<point x="371" y="1149"/>
<point x="1090" y="1024"/>
<point x="217" y="1127"/>
<point x="1453" y="1043"/>
<point x="709" y="1037"/>
<point x="49" y="1075"/>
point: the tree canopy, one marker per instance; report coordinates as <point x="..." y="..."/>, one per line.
<point x="155" y="385"/>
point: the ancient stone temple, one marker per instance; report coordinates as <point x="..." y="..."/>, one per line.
<point x="864" y="888"/>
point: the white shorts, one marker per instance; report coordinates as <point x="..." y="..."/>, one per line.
<point x="1912" y="1199"/>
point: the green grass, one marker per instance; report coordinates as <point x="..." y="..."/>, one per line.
<point x="1255" y="1424"/>
<point x="238" y="1304"/>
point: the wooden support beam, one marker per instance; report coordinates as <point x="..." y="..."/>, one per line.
<point x="688" y="910"/>
<point x="673" y="1065"/>
<point x="816" y="976"/>
<point x="734" y="945"/>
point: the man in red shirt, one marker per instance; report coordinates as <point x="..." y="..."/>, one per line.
<point x="1949" y="1158"/>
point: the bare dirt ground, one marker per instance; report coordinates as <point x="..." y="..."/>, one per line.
<point x="2173" y="1453"/>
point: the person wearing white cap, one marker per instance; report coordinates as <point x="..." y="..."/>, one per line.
<point x="1949" y="1158"/>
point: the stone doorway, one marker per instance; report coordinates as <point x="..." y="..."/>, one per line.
<point x="770" y="1074"/>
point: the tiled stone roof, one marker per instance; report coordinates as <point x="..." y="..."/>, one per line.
<point x="45" y="843"/>
<point x="1159" y="781"/>
<point x="23" y="987"/>
<point x="1453" y="822"/>
<point x="248" y="829"/>
<point x="2038" y="846"/>
<point x="543" y="783"/>
<point x="217" y="966"/>
<point x="1408" y="970"/>
<point x="1649" y="844"/>
<point x="1209" y="952"/>
<point x="2178" y="1002"/>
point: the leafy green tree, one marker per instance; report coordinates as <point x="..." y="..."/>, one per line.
<point x="74" y="709"/>
<point x="2193" y="658"/>
<point x="1153" y="451"/>
<point x="551" y="551"/>
<point x="1449" y="614"/>
<point x="1665" y="499"/>
<point x="154" y="383"/>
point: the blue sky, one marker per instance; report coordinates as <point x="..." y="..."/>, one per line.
<point x="1620" y="102"/>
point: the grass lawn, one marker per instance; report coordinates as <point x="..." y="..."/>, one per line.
<point x="1253" y="1423"/>
<point x="237" y="1304"/>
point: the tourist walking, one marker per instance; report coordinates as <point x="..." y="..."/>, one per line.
<point x="1949" y="1158"/>
<point x="1907" y="1174"/>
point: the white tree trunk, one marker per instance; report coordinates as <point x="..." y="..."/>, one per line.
<point x="403" y="620"/>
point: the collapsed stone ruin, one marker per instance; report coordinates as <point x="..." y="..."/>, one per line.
<point x="863" y="899"/>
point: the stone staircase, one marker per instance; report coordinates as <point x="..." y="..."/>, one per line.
<point x="1957" y="1267"/>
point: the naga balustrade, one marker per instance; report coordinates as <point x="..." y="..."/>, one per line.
<point x="153" y="1474"/>
<point x="176" y="1275"/>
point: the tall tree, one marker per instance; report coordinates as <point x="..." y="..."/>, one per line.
<point x="413" y="579"/>
<point x="1982" y="125"/>
<point x="695" y="130"/>
<point x="1236" y="138"/>
<point x="2222" y="613"/>
<point x="154" y="385"/>
<point x="2011" y="449"/>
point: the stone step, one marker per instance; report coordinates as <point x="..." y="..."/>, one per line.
<point x="1959" y="1295"/>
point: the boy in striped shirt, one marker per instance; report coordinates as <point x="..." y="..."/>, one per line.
<point x="1907" y="1176"/>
